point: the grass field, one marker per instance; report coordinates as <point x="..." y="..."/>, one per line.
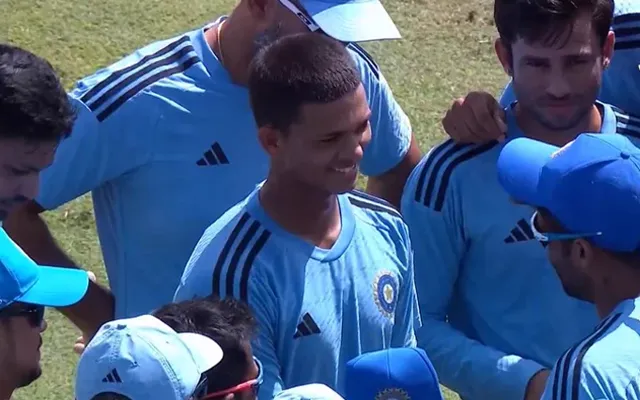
<point x="447" y="51"/>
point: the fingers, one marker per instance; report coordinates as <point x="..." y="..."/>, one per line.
<point x="79" y="345"/>
<point x="476" y="118"/>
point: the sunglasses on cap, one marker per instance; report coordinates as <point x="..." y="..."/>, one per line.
<point x="33" y="313"/>
<point x="201" y="392"/>
<point x="546" y="237"/>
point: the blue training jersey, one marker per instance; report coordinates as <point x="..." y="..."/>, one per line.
<point x="493" y="310"/>
<point x="316" y="308"/>
<point x="621" y="80"/>
<point x="167" y="144"/>
<point x="605" y="365"/>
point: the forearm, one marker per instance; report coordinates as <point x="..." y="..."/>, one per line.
<point x="472" y="369"/>
<point x="31" y="233"/>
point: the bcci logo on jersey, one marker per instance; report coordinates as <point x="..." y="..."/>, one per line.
<point x="385" y="293"/>
<point x="393" y="394"/>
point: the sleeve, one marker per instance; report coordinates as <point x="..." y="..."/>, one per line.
<point x="464" y="365"/>
<point x="263" y="302"/>
<point x="96" y="152"/>
<point x="390" y="126"/>
<point x="590" y="386"/>
<point x="407" y="318"/>
<point x="508" y="96"/>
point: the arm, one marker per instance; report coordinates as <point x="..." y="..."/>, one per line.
<point x="407" y="316"/>
<point x="94" y="154"/>
<point x="464" y="365"/>
<point x="393" y="151"/>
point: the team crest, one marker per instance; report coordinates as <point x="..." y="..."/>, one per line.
<point x="385" y="293"/>
<point x="393" y="394"/>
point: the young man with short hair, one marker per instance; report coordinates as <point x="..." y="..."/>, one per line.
<point x="143" y="358"/>
<point x="327" y="271"/>
<point x="169" y="144"/>
<point x="231" y="324"/>
<point x="587" y="200"/>
<point x="479" y="117"/>
<point x="495" y="317"/>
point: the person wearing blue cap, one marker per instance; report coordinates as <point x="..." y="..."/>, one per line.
<point x="169" y="144"/>
<point x="327" y="270"/>
<point x="392" y="374"/>
<point x="495" y="318"/>
<point x="587" y="200"/>
<point x="25" y="289"/>
<point x="143" y="358"/>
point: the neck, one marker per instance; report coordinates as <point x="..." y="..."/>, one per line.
<point x="625" y="287"/>
<point x="233" y="45"/>
<point x="592" y="122"/>
<point x="302" y="210"/>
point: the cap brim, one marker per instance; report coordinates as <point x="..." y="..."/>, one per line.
<point x="57" y="287"/>
<point x="206" y="352"/>
<point x="520" y="166"/>
<point x="356" y="21"/>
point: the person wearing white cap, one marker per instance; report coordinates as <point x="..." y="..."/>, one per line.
<point x="143" y="358"/>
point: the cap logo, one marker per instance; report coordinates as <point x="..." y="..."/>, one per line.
<point x="392" y="394"/>
<point x="385" y="293"/>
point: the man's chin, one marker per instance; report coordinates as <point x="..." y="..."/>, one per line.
<point x="31" y="377"/>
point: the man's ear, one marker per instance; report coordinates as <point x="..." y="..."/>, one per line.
<point x="263" y="13"/>
<point x="504" y="56"/>
<point x="582" y="254"/>
<point x="270" y="139"/>
<point x="607" y="49"/>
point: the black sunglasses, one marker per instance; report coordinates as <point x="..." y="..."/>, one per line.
<point x="33" y="313"/>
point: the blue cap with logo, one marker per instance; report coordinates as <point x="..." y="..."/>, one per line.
<point x="22" y="280"/>
<point x="143" y="358"/>
<point x="352" y="20"/>
<point x="591" y="185"/>
<point x="397" y="373"/>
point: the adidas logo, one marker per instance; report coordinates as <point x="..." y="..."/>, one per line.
<point x="112" y="377"/>
<point x="307" y="327"/>
<point x="213" y="156"/>
<point x="521" y="233"/>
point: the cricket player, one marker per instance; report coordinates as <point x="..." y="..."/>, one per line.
<point x="479" y="117"/>
<point x="327" y="271"/>
<point x="587" y="200"/>
<point x="495" y="317"/>
<point x="170" y="144"/>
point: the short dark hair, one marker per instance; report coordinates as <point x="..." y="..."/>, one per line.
<point x="545" y="21"/>
<point x="295" y="70"/>
<point x="33" y="104"/>
<point x="228" y="322"/>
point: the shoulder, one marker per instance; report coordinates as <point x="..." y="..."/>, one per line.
<point x="378" y="213"/>
<point x="431" y="180"/>
<point x="626" y="123"/>
<point x="365" y="62"/>
<point x="117" y="86"/>
<point x="591" y="361"/>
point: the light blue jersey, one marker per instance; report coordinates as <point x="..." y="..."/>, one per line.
<point x="167" y="144"/>
<point x="477" y="265"/>
<point x="605" y="365"/>
<point x="316" y="308"/>
<point x="621" y="80"/>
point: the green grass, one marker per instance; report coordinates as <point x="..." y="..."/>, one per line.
<point x="447" y="51"/>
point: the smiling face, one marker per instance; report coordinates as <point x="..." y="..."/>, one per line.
<point x="557" y="81"/>
<point x="21" y="162"/>
<point x="323" y="148"/>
